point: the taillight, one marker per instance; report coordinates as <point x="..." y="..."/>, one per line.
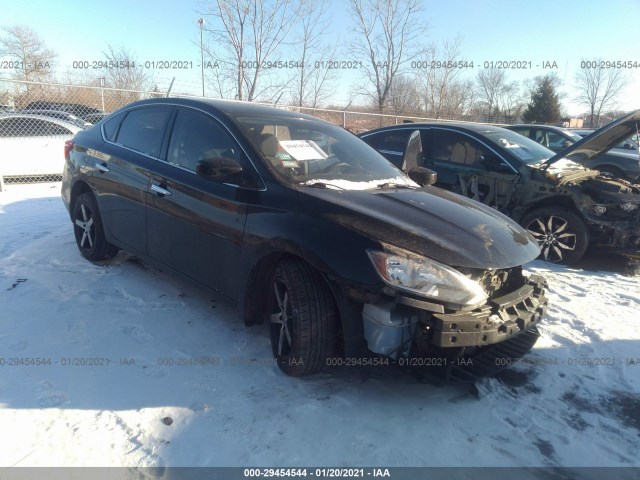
<point x="68" y="146"/>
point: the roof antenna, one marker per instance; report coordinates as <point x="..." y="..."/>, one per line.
<point x="276" y="102"/>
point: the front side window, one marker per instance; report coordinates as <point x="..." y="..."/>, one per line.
<point x="557" y="141"/>
<point x="304" y="152"/>
<point x="142" y="129"/>
<point x="196" y="137"/>
<point x="454" y="147"/>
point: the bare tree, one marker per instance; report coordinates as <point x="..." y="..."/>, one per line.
<point x="511" y="100"/>
<point x="599" y="88"/>
<point x="124" y="72"/>
<point x="490" y="84"/>
<point x="404" y="96"/>
<point x="389" y="33"/>
<point x="314" y="78"/>
<point x="443" y="94"/>
<point x="459" y="99"/>
<point x="247" y="35"/>
<point x="23" y="46"/>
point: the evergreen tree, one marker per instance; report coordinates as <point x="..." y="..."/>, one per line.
<point x="544" y="106"/>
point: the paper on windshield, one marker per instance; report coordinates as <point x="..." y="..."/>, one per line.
<point x="516" y="149"/>
<point x="303" y="149"/>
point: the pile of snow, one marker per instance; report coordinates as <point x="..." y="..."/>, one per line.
<point x="148" y="370"/>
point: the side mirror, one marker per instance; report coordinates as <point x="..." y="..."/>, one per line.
<point x="423" y="176"/>
<point x="219" y="168"/>
<point x="412" y="152"/>
<point x="566" y="143"/>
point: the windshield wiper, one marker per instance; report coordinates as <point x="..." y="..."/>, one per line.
<point x="394" y="185"/>
<point x="322" y="185"/>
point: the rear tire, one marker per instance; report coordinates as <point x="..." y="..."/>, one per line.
<point x="89" y="232"/>
<point x="562" y="235"/>
<point x="303" y="319"/>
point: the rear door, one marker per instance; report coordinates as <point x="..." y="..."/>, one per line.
<point x="195" y="225"/>
<point x="467" y="166"/>
<point x="122" y="172"/>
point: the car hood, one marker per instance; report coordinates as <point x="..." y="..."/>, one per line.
<point x="441" y="225"/>
<point x="600" y="141"/>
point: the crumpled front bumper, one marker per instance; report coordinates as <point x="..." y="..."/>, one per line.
<point x="499" y="319"/>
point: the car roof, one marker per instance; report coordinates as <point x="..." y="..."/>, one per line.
<point x="538" y="125"/>
<point x="469" y="126"/>
<point x="69" y="125"/>
<point x="43" y="110"/>
<point x="232" y="108"/>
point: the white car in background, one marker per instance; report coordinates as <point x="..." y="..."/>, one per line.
<point x="33" y="145"/>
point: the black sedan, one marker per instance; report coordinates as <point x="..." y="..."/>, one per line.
<point x="307" y="228"/>
<point x="563" y="204"/>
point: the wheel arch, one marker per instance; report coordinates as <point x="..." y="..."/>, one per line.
<point x="256" y="298"/>
<point x="556" y="201"/>
<point x="78" y="189"/>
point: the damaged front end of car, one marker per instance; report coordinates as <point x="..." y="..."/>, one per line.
<point x="611" y="207"/>
<point x="458" y="324"/>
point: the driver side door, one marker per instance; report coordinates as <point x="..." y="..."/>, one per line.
<point x="194" y="224"/>
<point x="469" y="167"/>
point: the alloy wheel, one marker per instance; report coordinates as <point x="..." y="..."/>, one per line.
<point x="85" y="228"/>
<point x="281" y="321"/>
<point x="554" y="235"/>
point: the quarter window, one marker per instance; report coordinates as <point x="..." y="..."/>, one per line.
<point x="110" y="127"/>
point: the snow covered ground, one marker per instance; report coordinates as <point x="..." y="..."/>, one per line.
<point x="148" y="370"/>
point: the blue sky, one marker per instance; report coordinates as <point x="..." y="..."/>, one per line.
<point x="537" y="31"/>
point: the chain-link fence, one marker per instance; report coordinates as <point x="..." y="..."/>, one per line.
<point x="37" y="118"/>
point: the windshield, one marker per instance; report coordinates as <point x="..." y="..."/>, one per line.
<point x="308" y="152"/>
<point x="521" y="147"/>
<point x="572" y="135"/>
<point x="630" y="143"/>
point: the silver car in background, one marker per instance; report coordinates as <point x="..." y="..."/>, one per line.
<point x="33" y="145"/>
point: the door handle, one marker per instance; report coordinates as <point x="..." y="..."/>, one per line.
<point x="163" y="192"/>
<point x="102" y="168"/>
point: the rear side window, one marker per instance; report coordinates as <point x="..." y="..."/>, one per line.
<point x="142" y="129"/>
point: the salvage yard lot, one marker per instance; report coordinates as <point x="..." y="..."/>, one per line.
<point x="127" y="365"/>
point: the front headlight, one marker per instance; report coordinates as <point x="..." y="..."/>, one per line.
<point x="425" y="277"/>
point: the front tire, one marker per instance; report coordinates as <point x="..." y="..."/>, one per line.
<point x="303" y="319"/>
<point x="89" y="232"/>
<point x="562" y="235"/>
